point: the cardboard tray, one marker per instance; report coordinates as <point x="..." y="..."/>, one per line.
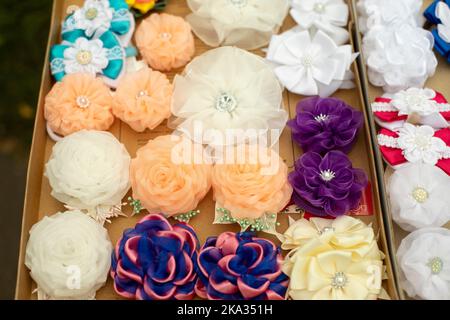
<point x="39" y="203"/>
<point x="438" y="82"/>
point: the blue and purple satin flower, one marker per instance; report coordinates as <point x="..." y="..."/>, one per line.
<point x="156" y="261"/>
<point x="240" y="267"/>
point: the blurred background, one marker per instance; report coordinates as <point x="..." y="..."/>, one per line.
<point x="23" y="37"/>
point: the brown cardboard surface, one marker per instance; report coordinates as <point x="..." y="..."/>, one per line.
<point x="438" y="82"/>
<point x="39" y="203"/>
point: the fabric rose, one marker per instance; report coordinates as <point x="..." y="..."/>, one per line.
<point x="165" y="41"/>
<point x="80" y="101"/>
<point x="327" y="185"/>
<point x="424" y="260"/>
<point x="156" y="261"/>
<point x="240" y="267"/>
<point x="142" y="99"/>
<point x="322" y="125"/>
<point x="418" y="195"/>
<point x="171" y="175"/>
<point x="69" y="256"/>
<point x="252" y="185"/>
<point x="89" y="170"/>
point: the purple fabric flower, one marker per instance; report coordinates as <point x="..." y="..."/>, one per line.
<point x="328" y="185"/>
<point x="325" y="124"/>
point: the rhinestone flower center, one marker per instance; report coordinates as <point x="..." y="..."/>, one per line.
<point x="339" y="280"/>
<point x="83" y="102"/>
<point x="319" y="8"/>
<point x="84" y="57"/>
<point x="226" y="103"/>
<point x="307" y="61"/>
<point x="327" y="175"/>
<point x="238" y="3"/>
<point x="91" y="13"/>
<point x="321" y="117"/>
<point x="420" y="194"/>
<point x="436" y="265"/>
<point x="165" y="36"/>
<point x="142" y="93"/>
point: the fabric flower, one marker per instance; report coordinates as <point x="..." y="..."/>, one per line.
<point x="143" y="99"/>
<point x="311" y="65"/>
<point x="327" y="185"/>
<point x="424" y="259"/>
<point x="252" y="185"/>
<point x="240" y="267"/>
<point x="329" y="16"/>
<point x="247" y="24"/>
<point x="322" y="125"/>
<point x="228" y="94"/>
<point x="165" y="41"/>
<point x="79" y="102"/>
<point x="69" y="256"/>
<point x="170" y="175"/>
<point x="89" y="170"/>
<point x="418" y="196"/>
<point x="155" y="261"/>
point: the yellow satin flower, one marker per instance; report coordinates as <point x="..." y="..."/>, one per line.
<point x="143" y="6"/>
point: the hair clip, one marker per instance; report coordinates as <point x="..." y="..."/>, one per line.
<point x="423" y="106"/>
<point x="142" y="7"/>
<point x="96" y="179"/>
<point x="322" y="125"/>
<point x="165" y="41"/>
<point x="142" y="99"/>
<point x="98" y="16"/>
<point x="247" y="24"/>
<point x="239" y="266"/>
<point x="69" y="256"/>
<point x="311" y="65"/>
<point x="156" y="261"/>
<point x="439" y="13"/>
<point x="327" y="185"/>
<point x="416" y="144"/>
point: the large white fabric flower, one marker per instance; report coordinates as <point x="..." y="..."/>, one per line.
<point x="247" y="24"/>
<point x="443" y="13"/>
<point x="311" y="66"/>
<point x="94" y="15"/>
<point x="329" y="16"/>
<point x="89" y="170"/>
<point x="86" y="56"/>
<point x="224" y="91"/>
<point x="418" y="195"/>
<point x="424" y="258"/>
<point x="69" y="256"/>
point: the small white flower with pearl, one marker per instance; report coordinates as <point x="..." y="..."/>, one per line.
<point x="86" y="56"/>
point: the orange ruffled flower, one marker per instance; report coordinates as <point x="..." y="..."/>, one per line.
<point x="143" y="99"/>
<point x="165" y="41"/>
<point x="80" y="101"/>
<point x="165" y="184"/>
<point x="252" y="187"/>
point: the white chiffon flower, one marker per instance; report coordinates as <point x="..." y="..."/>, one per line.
<point x="94" y="15"/>
<point x="424" y="259"/>
<point x="89" y="170"/>
<point x="311" y="65"/>
<point x="225" y="91"/>
<point x="415" y="100"/>
<point x="69" y="256"/>
<point x="86" y="56"/>
<point x="329" y="16"/>
<point x="247" y="24"/>
<point x="443" y="13"/>
<point x="419" y="198"/>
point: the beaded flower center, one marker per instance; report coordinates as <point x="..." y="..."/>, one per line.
<point x="321" y="117"/>
<point x="84" y="57"/>
<point x="436" y="265"/>
<point x="339" y="280"/>
<point x="142" y="93"/>
<point x="327" y="175"/>
<point x="91" y="13"/>
<point x="83" y="102"/>
<point x="238" y="3"/>
<point x="307" y="61"/>
<point x="226" y="103"/>
<point x="420" y="194"/>
<point x="165" y="36"/>
<point x="319" y="8"/>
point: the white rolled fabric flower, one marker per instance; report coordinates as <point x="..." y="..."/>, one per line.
<point x="89" y="170"/>
<point x="424" y="258"/>
<point x="69" y="256"/>
<point x="247" y="24"/>
<point x="399" y="57"/>
<point x="329" y="16"/>
<point x="311" y="65"/>
<point x="418" y="195"/>
<point x="225" y="96"/>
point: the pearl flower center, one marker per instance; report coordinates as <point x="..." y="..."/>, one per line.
<point x="165" y="36"/>
<point x="321" y="117"/>
<point x="319" y="8"/>
<point x="238" y="3"/>
<point x="142" y="93"/>
<point x="436" y="265"/>
<point x="83" y="102"/>
<point x="91" y="13"/>
<point x="422" y="142"/>
<point x="226" y="103"/>
<point x="84" y="57"/>
<point x="420" y="195"/>
<point x="339" y="280"/>
<point x="327" y="175"/>
<point x="307" y="61"/>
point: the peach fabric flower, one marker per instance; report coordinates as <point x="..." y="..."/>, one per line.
<point x="80" y="101"/>
<point x="165" y="41"/>
<point x="166" y="178"/>
<point x="252" y="187"/>
<point x="143" y="99"/>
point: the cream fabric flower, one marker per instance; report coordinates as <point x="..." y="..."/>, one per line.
<point x="424" y="259"/>
<point x="418" y="195"/>
<point x="89" y="170"/>
<point x="69" y="256"/>
<point x="247" y="24"/>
